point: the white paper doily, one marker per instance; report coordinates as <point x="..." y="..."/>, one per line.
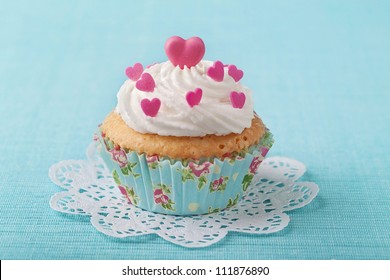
<point x="91" y="190"/>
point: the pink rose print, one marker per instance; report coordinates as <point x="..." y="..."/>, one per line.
<point x="124" y="192"/>
<point x="219" y="184"/>
<point x="197" y="173"/>
<point x="200" y="169"/>
<point x="254" y="165"/>
<point x="129" y="193"/>
<point x="264" y="151"/>
<point x="160" y="197"/>
<point x="231" y="157"/>
<point x="151" y="159"/>
<point x="119" y="156"/>
<point x="226" y="155"/>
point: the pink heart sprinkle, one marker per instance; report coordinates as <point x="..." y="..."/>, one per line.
<point x="237" y="99"/>
<point x="235" y="73"/>
<point x="216" y="71"/>
<point x="134" y="72"/>
<point x="184" y="52"/>
<point x="146" y="83"/>
<point x="150" y="107"/>
<point x="193" y="97"/>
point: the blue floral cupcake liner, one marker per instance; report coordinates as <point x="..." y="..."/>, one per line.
<point x="177" y="187"/>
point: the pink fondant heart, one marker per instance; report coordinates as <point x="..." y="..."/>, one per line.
<point x="134" y="72"/>
<point x="235" y="73"/>
<point x="184" y="52"/>
<point x="150" y="107"/>
<point x="193" y="97"/>
<point x="216" y="71"/>
<point x="146" y="83"/>
<point x="237" y="99"/>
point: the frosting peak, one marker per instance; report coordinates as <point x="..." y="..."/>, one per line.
<point x="192" y="102"/>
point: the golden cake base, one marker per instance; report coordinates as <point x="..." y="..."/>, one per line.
<point x="180" y="147"/>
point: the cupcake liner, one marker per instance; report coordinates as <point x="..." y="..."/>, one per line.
<point x="177" y="187"/>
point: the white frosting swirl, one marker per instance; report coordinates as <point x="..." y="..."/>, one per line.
<point x="214" y="114"/>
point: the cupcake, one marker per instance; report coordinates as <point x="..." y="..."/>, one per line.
<point x="184" y="138"/>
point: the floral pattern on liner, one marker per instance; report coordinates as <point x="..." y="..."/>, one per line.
<point x="266" y="144"/>
<point x="128" y="192"/>
<point x="152" y="161"/>
<point x="119" y="156"/>
<point x="197" y="172"/>
<point x="161" y="197"/>
<point x="231" y="202"/>
<point x="170" y="187"/>
<point x="219" y="185"/>
<point x="90" y="189"/>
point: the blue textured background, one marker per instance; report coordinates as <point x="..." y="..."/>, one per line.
<point x="320" y="73"/>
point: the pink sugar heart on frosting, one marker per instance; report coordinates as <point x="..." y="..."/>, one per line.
<point x="235" y="73"/>
<point x="150" y="107"/>
<point x="146" y="83"/>
<point x="216" y="71"/>
<point x="184" y="52"/>
<point x="193" y="97"/>
<point x="237" y="99"/>
<point x="134" y="72"/>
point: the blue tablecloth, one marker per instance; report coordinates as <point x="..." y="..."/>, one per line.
<point x="320" y="75"/>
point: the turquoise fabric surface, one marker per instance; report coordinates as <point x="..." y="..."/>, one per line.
<point x="320" y="75"/>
